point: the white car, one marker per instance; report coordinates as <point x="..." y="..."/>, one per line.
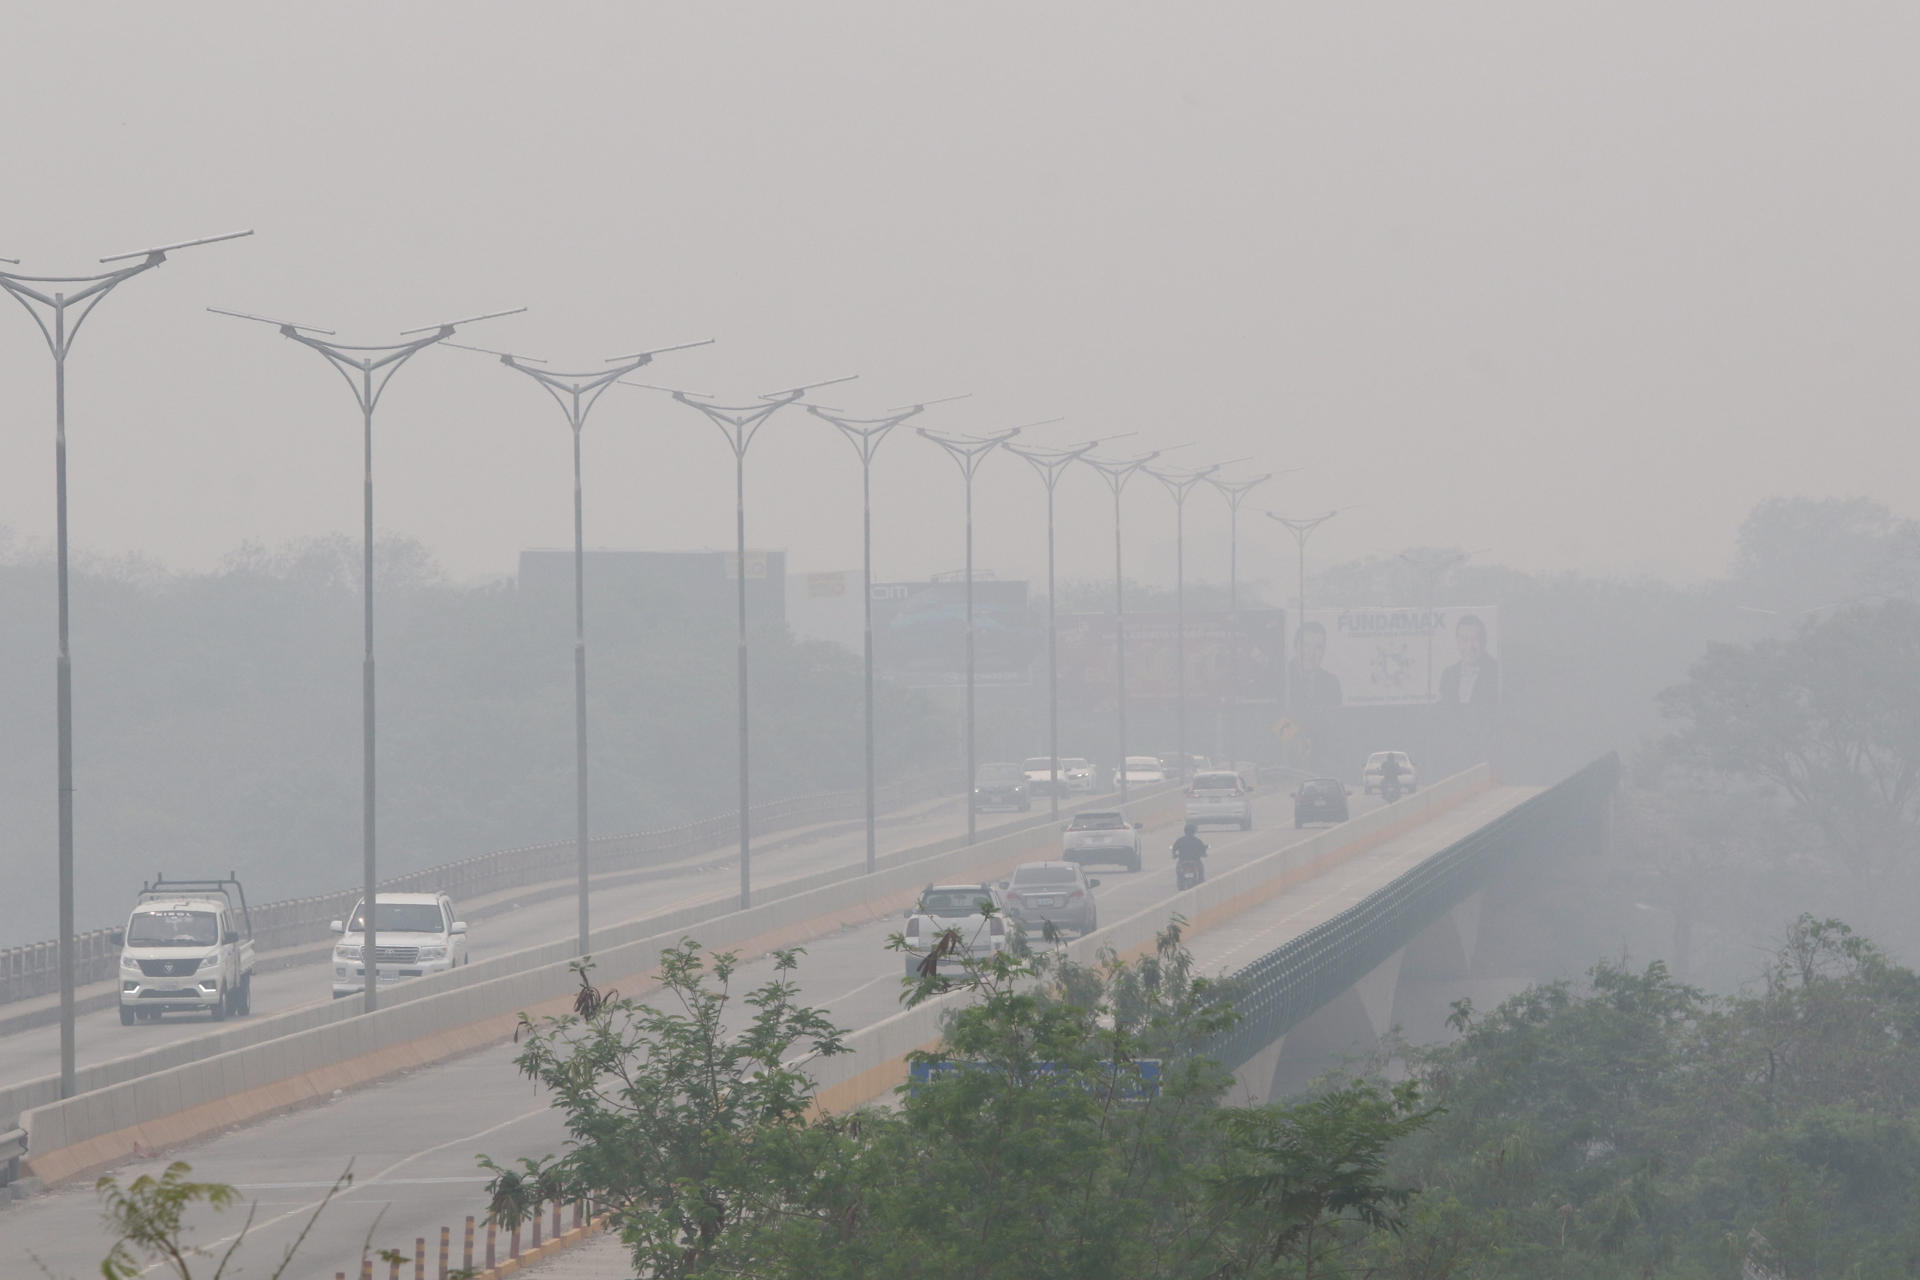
<point x="1218" y="798"/>
<point x="1142" y="769"/>
<point x="1076" y="774"/>
<point x="1105" y="836"/>
<point x="187" y="946"/>
<point x="1370" y="778"/>
<point x="961" y="908"/>
<point x="414" y="934"/>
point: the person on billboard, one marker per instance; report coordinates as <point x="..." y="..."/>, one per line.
<point x="1474" y="680"/>
<point x="1316" y="690"/>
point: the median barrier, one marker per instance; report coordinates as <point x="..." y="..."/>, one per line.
<point x="877" y="1059"/>
<point x="306" y="1054"/>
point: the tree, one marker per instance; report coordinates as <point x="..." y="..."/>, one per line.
<point x="689" y="1132"/>
<point x="147" y="1220"/>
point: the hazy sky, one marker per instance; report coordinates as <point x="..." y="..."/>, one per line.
<point x="1575" y="283"/>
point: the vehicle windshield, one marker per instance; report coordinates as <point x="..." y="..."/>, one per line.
<point x="1074" y="762"/>
<point x="1045" y="875"/>
<point x="1321" y="787"/>
<point x="1002" y="773"/>
<point x="953" y="902"/>
<point x="1040" y="764"/>
<point x="399" y="917"/>
<point x="173" y="929"/>
<point x="1217" y="782"/>
<point x="1097" y="822"/>
<point x="1142" y="762"/>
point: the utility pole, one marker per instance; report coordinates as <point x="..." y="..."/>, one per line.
<point x="1234" y="491"/>
<point x="968" y="452"/>
<point x="368" y="371"/>
<point x="1117" y="472"/>
<point x="865" y="435"/>
<point x="59" y="305"/>
<point x="576" y="394"/>
<point x="740" y="424"/>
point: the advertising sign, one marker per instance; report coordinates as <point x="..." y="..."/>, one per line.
<point x="1088" y="655"/>
<point x="1398" y="657"/>
<point x="920" y="633"/>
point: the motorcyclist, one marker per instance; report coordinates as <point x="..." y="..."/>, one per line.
<point x="1190" y="845"/>
<point x="1390" y="775"/>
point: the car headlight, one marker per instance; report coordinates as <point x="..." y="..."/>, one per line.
<point x="210" y="962"/>
<point x="346" y="953"/>
<point x="129" y="965"/>
<point x="433" y="953"/>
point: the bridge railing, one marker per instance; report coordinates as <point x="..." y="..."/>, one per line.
<point x="1277" y="991"/>
<point x="34" y="969"/>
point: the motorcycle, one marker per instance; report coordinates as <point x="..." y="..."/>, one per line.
<point x="1390" y="791"/>
<point x="1188" y="872"/>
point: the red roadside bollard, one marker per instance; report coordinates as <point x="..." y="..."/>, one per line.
<point x="419" y="1258"/>
<point x="393" y="1268"/>
<point x="466" y="1247"/>
<point x="366" y="1269"/>
<point x="513" y="1244"/>
<point x="556" y="1219"/>
<point x="492" y="1228"/>
<point x="576" y="1215"/>
<point x="446" y="1243"/>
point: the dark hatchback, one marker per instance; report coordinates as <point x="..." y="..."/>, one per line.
<point x="1320" y="800"/>
<point x="1001" y="786"/>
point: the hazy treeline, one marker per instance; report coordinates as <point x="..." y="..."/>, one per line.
<point x="217" y="721"/>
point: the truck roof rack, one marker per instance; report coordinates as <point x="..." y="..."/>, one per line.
<point x="161" y="887"/>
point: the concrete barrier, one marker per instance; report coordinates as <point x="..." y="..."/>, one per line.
<point x="312" y="1052"/>
<point x="877" y="1059"/>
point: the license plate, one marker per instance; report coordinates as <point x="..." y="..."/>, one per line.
<point x="1046" y="902"/>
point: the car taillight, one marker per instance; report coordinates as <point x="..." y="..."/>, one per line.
<point x="997" y="927"/>
<point x="913" y="927"/>
<point x="1075" y="894"/>
<point x="1013" y="897"/>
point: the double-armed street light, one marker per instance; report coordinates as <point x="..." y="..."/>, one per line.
<point x="1116" y="472"/>
<point x="1050" y="464"/>
<point x="1302" y="528"/>
<point x="368" y="371"/>
<point x="1180" y="483"/>
<point x="576" y="394"/>
<point x="740" y="424"/>
<point x="865" y="435"/>
<point x="968" y="452"/>
<point x="1235" y="492"/>
<point x="59" y="305"/>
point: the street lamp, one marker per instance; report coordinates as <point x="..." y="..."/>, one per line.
<point x="1302" y="528"/>
<point x="968" y="452"/>
<point x="1234" y="491"/>
<point x="368" y="370"/>
<point x="48" y="299"/>
<point x="1178" y="485"/>
<point x="865" y="435"/>
<point x="576" y="394"/>
<point x="1117" y="472"/>
<point x="1050" y="464"/>
<point x="740" y="424"/>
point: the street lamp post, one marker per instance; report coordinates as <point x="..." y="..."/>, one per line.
<point x="1178" y="485"/>
<point x="1050" y="464"/>
<point x="1117" y="472"/>
<point x="1234" y="491"/>
<point x="368" y="371"/>
<point x="1302" y="528"/>
<point x="576" y="394"/>
<point x="968" y="452"/>
<point x="740" y="424"/>
<point x="865" y="435"/>
<point x="50" y="300"/>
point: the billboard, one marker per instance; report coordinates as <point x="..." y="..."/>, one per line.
<point x="1397" y="657"/>
<point x="920" y="633"/>
<point x="1087" y="655"/>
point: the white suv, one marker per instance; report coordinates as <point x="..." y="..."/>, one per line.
<point x="959" y="908"/>
<point x="1218" y="798"/>
<point x="414" y="934"/>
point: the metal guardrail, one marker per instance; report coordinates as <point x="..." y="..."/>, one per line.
<point x="33" y="969"/>
<point x="1277" y="991"/>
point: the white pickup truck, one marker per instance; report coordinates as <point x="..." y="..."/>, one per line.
<point x="188" y="946"/>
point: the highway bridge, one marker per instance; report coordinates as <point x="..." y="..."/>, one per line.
<point x="1336" y="934"/>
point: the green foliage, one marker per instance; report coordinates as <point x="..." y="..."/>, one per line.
<point x="147" y="1220"/>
